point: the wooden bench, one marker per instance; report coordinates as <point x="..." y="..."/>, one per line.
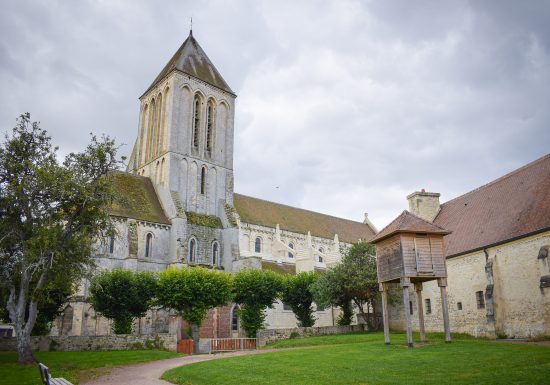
<point x="47" y="379"/>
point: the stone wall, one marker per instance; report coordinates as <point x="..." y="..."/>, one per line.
<point x="162" y="341"/>
<point x="267" y="335"/>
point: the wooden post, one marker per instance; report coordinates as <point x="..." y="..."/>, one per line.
<point x="442" y="282"/>
<point x="418" y="289"/>
<point x="405" y="283"/>
<point x="385" y="317"/>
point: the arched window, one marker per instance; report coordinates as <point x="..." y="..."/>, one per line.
<point x="67" y="320"/>
<point x="215" y="253"/>
<point x="112" y="244"/>
<point x="148" y="245"/>
<point x="196" y="120"/>
<point x="258" y="245"/>
<point x="290" y="254"/>
<point x="321" y="250"/>
<point x="209" y="125"/>
<point x="235" y="319"/>
<point x="203" y="180"/>
<point x="192" y="256"/>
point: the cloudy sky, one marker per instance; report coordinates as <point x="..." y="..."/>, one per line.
<point x="343" y="107"/>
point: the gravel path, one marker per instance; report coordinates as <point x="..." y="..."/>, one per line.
<point x="149" y="373"/>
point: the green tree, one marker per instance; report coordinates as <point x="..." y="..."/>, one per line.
<point x="327" y="291"/>
<point x="123" y="296"/>
<point x="191" y="292"/>
<point x="255" y="290"/>
<point x="50" y="215"/>
<point x="298" y="294"/>
<point x="360" y="279"/>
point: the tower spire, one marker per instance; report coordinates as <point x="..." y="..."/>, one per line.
<point x="191" y="27"/>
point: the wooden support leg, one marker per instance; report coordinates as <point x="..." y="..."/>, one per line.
<point x="385" y="317"/>
<point x="418" y="289"/>
<point x="442" y="282"/>
<point x="405" y="283"/>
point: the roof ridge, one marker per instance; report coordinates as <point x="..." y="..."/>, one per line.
<point x="299" y="208"/>
<point x="400" y="216"/>
<point x="500" y="179"/>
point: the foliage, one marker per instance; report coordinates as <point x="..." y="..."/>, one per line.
<point x="204" y="220"/>
<point x="364" y="359"/>
<point x="354" y="279"/>
<point x="73" y="366"/>
<point x="122" y="296"/>
<point x="255" y="290"/>
<point x="230" y="212"/>
<point x="50" y="305"/>
<point x="327" y="291"/>
<point x="298" y="294"/>
<point x="192" y="291"/>
<point x="50" y="214"/>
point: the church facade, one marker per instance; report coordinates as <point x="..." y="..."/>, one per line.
<point x="177" y="205"/>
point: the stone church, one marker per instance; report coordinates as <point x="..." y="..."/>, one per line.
<point x="178" y="207"/>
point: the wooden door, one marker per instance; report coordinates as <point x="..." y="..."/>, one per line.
<point x="424" y="263"/>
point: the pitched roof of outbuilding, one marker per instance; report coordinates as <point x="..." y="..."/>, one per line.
<point x="509" y="207"/>
<point x="260" y="212"/>
<point x="408" y="222"/>
<point x="135" y="197"/>
<point x="192" y="60"/>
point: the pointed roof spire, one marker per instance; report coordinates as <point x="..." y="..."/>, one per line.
<point x="191" y="27"/>
<point x="192" y="60"/>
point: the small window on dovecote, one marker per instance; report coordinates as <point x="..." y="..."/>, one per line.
<point x="291" y="254"/>
<point x="480" y="299"/>
<point x="459" y="306"/>
<point x="428" y="303"/>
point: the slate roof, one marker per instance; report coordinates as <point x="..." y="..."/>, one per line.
<point x="192" y="60"/>
<point x="407" y="222"/>
<point x="135" y="197"/>
<point x="260" y="212"/>
<point x="510" y="207"/>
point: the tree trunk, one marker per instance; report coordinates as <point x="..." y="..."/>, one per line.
<point x="24" y="350"/>
<point x="195" y="335"/>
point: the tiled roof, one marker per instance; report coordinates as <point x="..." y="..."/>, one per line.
<point x="512" y="206"/>
<point x="192" y="60"/>
<point x="135" y="197"/>
<point x="260" y="212"/>
<point x="408" y="222"/>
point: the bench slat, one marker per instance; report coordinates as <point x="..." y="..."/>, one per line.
<point x="59" y="381"/>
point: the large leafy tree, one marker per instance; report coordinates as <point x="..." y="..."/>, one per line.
<point x="50" y="215"/>
<point x="255" y="291"/>
<point x="298" y="294"/>
<point x="191" y="292"/>
<point x="122" y="296"/>
<point x="360" y="279"/>
<point x="353" y="279"/>
<point x="327" y="291"/>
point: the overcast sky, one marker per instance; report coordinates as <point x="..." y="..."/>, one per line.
<point x="343" y="107"/>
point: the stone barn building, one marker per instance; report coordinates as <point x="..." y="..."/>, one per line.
<point x="497" y="257"/>
<point x="177" y="205"/>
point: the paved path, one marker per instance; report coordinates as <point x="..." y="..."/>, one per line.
<point x="149" y="373"/>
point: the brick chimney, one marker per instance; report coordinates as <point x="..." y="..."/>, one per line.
<point x="424" y="204"/>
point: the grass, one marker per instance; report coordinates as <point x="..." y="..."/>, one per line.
<point x="364" y="359"/>
<point x="72" y="365"/>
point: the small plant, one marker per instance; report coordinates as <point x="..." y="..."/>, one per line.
<point x="211" y="221"/>
<point x="293" y="335"/>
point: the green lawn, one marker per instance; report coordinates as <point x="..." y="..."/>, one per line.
<point x="71" y="365"/>
<point x="364" y="359"/>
